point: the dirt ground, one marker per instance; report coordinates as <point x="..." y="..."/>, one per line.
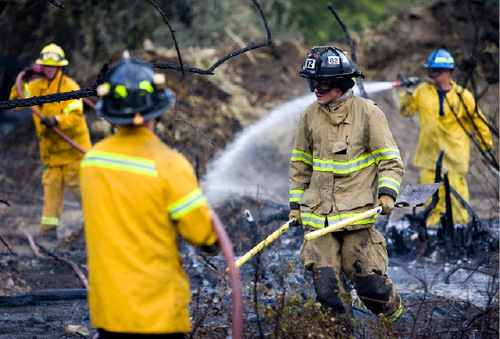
<point x="243" y="90"/>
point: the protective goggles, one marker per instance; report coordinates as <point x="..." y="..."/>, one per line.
<point x="51" y="56"/>
<point x="435" y="72"/>
<point x="321" y="86"/>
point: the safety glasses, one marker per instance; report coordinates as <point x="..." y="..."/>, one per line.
<point x="435" y="72"/>
<point x="51" y="56"/>
<point x="322" y="87"/>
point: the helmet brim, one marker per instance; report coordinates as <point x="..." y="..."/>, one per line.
<point x="311" y="75"/>
<point x="126" y="118"/>
<point x="52" y="63"/>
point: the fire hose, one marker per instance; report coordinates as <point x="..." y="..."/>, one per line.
<point x="234" y="276"/>
<point x="223" y="239"/>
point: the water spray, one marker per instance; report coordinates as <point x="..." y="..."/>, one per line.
<point x="380" y="86"/>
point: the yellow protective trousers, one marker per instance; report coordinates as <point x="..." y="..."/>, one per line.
<point x="459" y="183"/>
<point x="362" y="256"/>
<point x="55" y="180"/>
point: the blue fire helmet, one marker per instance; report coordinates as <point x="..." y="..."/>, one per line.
<point x="440" y="58"/>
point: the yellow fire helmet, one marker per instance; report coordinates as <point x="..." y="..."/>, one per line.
<point x="52" y="55"/>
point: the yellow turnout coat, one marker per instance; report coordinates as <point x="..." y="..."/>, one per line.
<point x="54" y="150"/>
<point x="139" y="195"/>
<point x="449" y="130"/>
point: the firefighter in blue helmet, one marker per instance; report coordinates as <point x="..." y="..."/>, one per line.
<point x="448" y="114"/>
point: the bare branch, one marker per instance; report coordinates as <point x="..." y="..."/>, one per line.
<point x="3" y="4"/>
<point x="172" y="32"/>
<point x="353" y="50"/>
<point x="197" y="129"/>
<point x="57" y="3"/>
<point x="225" y="58"/>
<point x="44" y="99"/>
<point x="91" y="91"/>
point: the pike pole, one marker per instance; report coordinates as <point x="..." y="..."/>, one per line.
<point x="273" y="236"/>
<point x="342" y="224"/>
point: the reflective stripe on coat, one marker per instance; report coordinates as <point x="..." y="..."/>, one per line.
<point x="138" y="197"/>
<point x="344" y="157"/>
<point x="54" y="150"/>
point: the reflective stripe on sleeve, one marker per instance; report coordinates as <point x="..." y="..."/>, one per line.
<point x="120" y="162"/>
<point x="387" y="153"/>
<point x="185" y="205"/>
<point x="296" y="195"/>
<point x="26" y="90"/>
<point x="75" y="104"/>
<point x="389" y="183"/>
<point x="302" y="156"/>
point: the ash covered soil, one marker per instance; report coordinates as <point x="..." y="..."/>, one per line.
<point x="243" y="90"/>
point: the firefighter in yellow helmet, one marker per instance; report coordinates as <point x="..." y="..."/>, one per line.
<point x="139" y="195"/>
<point x="60" y="159"/>
<point x="344" y="162"/>
<point x="448" y="115"/>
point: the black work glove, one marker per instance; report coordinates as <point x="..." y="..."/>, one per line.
<point x="405" y="82"/>
<point x="213" y="249"/>
<point x="50" y="121"/>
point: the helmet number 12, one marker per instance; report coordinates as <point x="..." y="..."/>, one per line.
<point x="310" y="63"/>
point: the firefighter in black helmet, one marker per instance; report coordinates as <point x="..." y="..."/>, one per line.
<point x="133" y="94"/>
<point x="139" y="195"/>
<point x="343" y="163"/>
<point x="331" y="67"/>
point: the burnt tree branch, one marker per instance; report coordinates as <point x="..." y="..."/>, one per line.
<point x="210" y="70"/>
<point x="91" y="91"/>
<point x="3" y="4"/>
<point x="351" y="46"/>
<point x="57" y="4"/>
<point x="45" y="99"/>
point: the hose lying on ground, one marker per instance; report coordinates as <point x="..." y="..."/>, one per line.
<point x="42" y="296"/>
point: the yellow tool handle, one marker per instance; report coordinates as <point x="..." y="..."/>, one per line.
<point x="273" y="236"/>
<point x="342" y="223"/>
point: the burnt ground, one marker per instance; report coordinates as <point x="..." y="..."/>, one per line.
<point x="243" y="90"/>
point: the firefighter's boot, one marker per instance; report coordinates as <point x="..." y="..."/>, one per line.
<point x="47" y="232"/>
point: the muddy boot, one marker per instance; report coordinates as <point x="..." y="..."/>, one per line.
<point x="48" y="233"/>
<point x="71" y="239"/>
<point x="47" y="236"/>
